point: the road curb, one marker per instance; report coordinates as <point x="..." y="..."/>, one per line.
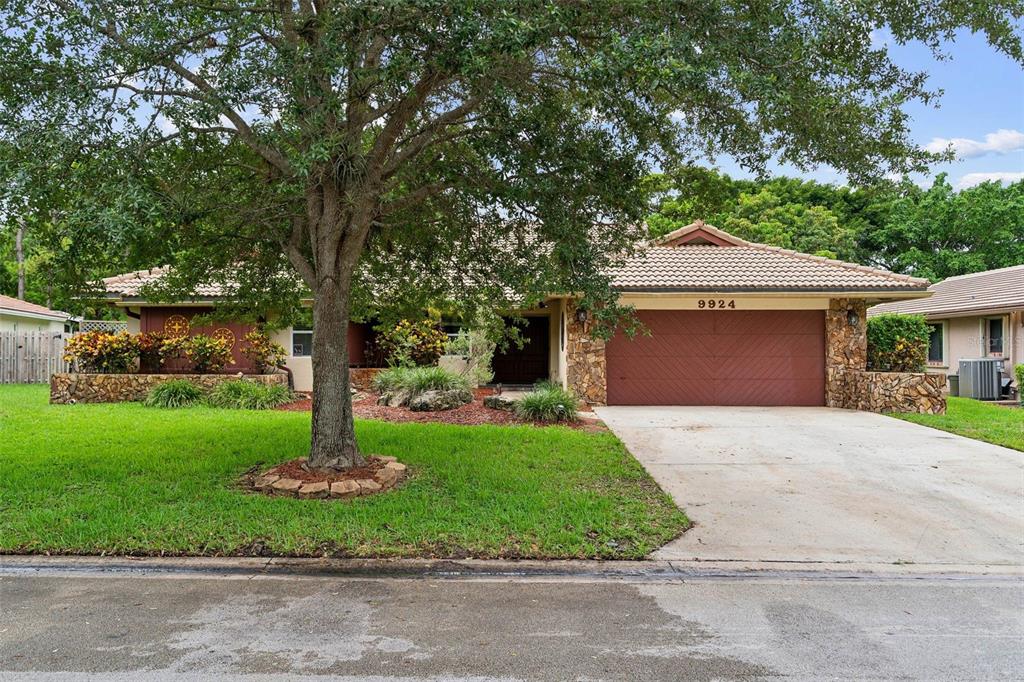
<point x="492" y="570"/>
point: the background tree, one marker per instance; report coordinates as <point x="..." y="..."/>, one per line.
<point x="494" y="145"/>
<point x="938" y="233"/>
<point x="934" y="233"/>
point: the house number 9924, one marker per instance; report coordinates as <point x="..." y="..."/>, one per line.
<point x="716" y="303"/>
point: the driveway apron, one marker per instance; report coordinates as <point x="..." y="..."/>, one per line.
<point x="820" y="485"/>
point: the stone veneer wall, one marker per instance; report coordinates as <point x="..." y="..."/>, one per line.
<point x="68" y="388"/>
<point x="888" y="391"/>
<point x="586" y="370"/>
<point x="848" y="384"/>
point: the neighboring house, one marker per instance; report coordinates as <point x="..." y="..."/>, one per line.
<point x="730" y="323"/>
<point x="21" y="316"/>
<point x="972" y="316"/>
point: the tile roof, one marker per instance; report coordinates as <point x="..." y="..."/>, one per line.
<point x="130" y="284"/>
<point x="992" y="290"/>
<point x="751" y="267"/>
<point x="10" y="304"/>
<point x="697" y="266"/>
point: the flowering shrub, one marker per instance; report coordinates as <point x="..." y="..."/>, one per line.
<point x="897" y="343"/>
<point x="103" y="352"/>
<point x="206" y="353"/>
<point x="150" y="351"/>
<point x="264" y="353"/>
<point x="409" y="344"/>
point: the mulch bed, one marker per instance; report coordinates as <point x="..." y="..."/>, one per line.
<point x="294" y="469"/>
<point x="364" y="406"/>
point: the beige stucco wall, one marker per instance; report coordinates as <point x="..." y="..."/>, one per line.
<point x="301" y="366"/>
<point x="555" y="350"/>
<point x="17" y="323"/>
<point x="134" y="324"/>
<point x="965" y="339"/>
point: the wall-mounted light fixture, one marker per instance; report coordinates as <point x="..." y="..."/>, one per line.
<point x="581" y="315"/>
<point x="852" y="318"/>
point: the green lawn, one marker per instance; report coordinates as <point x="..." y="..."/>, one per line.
<point x="126" y="479"/>
<point x="974" y="419"/>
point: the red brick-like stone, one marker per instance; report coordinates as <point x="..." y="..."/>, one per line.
<point x="344" y="489"/>
<point x="287" y="485"/>
<point x="315" y="489"/>
<point x="367" y="486"/>
<point x="265" y="481"/>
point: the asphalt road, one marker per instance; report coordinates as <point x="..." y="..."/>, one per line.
<point x="58" y="625"/>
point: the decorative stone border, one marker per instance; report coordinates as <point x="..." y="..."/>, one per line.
<point x="72" y="387"/>
<point x="390" y="474"/>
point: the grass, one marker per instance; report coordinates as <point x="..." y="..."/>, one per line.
<point x="248" y="395"/>
<point x="126" y="479"/>
<point x="975" y="419"/>
<point x="418" y="380"/>
<point x="547" y="403"/>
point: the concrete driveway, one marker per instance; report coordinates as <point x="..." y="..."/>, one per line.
<point x="816" y="485"/>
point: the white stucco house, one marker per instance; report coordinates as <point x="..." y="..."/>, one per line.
<point x="21" y="316"/>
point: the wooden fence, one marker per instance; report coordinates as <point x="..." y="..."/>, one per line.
<point x="31" y="357"/>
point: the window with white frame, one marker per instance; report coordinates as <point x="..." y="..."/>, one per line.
<point x="936" y="344"/>
<point x="994" y="336"/>
<point x="302" y="343"/>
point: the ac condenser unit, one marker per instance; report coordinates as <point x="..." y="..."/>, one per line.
<point x="979" y="379"/>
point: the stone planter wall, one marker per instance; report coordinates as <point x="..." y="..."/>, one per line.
<point x="586" y="368"/>
<point x="887" y="391"/>
<point x="68" y="388"/>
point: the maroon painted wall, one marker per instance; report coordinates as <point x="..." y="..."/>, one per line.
<point x="155" y="319"/>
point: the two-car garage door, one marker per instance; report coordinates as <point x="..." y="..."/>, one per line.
<point x="720" y="357"/>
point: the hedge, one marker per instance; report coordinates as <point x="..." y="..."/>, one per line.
<point x="898" y="343"/>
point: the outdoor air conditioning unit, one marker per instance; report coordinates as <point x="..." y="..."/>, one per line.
<point x="979" y="379"/>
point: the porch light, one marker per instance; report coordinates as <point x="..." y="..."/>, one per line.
<point x="581" y="315"/>
<point x="852" y="318"/>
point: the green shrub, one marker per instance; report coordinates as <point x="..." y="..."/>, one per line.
<point x="898" y="343"/>
<point x="264" y="353"/>
<point x="418" y="380"/>
<point x="207" y="354"/>
<point x="174" y="393"/>
<point x="103" y="352"/>
<point x="1018" y="371"/>
<point x="248" y="395"/>
<point x="409" y="344"/>
<point x="547" y="402"/>
<point x="477" y="348"/>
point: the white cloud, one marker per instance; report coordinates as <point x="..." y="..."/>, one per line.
<point x="972" y="179"/>
<point x="1000" y="142"/>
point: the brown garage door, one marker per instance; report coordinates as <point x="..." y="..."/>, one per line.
<point x="727" y="357"/>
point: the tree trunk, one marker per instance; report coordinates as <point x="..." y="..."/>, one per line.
<point x="333" y="442"/>
<point x="19" y="255"/>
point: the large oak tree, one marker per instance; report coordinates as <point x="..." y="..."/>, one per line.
<point x="389" y="149"/>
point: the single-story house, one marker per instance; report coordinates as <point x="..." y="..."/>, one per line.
<point x="980" y="315"/>
<point x="21" y="316"/>
<point x="729" y="323"/>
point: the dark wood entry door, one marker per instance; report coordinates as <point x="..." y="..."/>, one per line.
<point x="528" y="364"/>
<point x="727" y="357"/>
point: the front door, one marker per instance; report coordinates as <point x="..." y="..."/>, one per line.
<point x="528" y="364"/>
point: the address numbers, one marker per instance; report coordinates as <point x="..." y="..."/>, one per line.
<point x="716" y="303"/>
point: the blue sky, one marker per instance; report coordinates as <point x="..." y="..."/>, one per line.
<point x="981" y="111"/>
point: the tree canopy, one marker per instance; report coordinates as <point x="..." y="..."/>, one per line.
<point x="934" y="233"/>
<point x="395" y="143"/>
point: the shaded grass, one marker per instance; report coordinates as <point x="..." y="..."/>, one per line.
<point x="975" y="419"/>
<point x="123" y="479"/>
